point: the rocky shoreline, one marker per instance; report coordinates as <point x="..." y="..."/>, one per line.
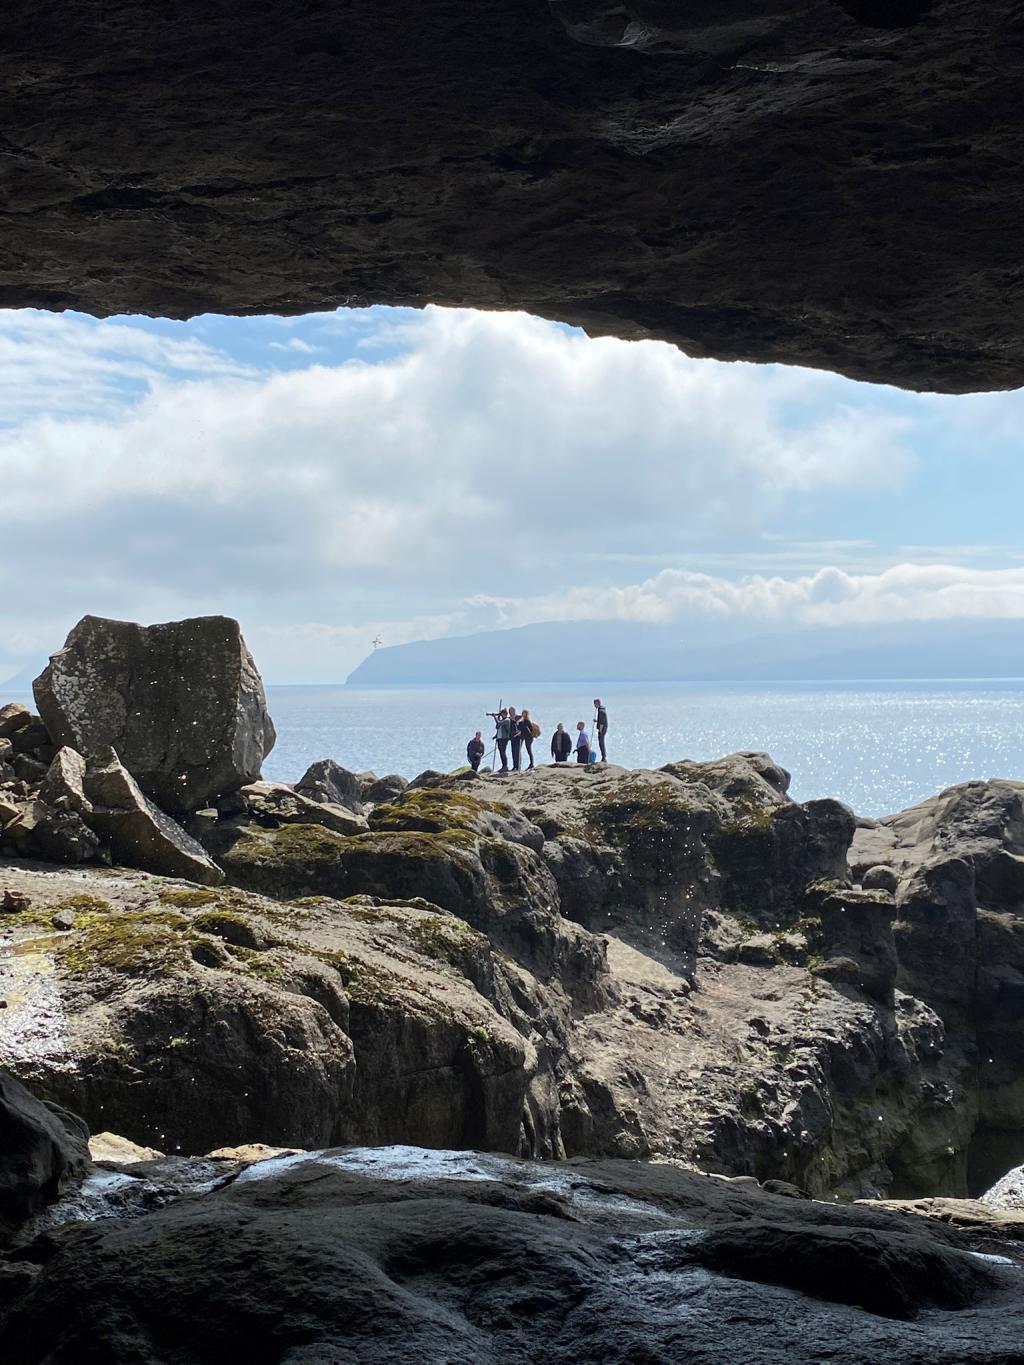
<point x="673" y="971"/>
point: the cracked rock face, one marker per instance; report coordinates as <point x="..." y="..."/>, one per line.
<point x="182" y="703"/>
<point x="822" y="182"/>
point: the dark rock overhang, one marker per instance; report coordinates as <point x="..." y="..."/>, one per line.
<point x="834" y="183"/>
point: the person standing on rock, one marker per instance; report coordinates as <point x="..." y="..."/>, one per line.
<point x="528" y="733"/>
<point x="515" y="738"/>
<point x="475" y="751"/>
<point x="601" y="727"/>
<point x="582" y="743"/>
<point x="502" y="730"/>
<point x="561" y="744"/>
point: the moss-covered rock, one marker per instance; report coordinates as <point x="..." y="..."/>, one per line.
<point x="190" y="1023"/>
<point x="500" y="888"/>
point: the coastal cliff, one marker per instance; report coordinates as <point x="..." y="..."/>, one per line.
<point x="671" y="972"/>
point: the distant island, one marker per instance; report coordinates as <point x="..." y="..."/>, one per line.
<point x="620" y="652"/>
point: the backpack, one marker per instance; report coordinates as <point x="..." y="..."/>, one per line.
<point x="535" y="730"/>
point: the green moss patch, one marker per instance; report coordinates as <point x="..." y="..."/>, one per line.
<point x="366" y="983"/>
<point x="228" y="925"/>
<point x="190" y="898"/>
<point x="130" y="942"/>
<point x="445" y="939"/>
<point x="83" y="904"/>
<point x="430" y="810"/>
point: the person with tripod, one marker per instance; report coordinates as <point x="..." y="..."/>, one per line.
<point x="601" y="727"/>
<point x="502" y="732"/>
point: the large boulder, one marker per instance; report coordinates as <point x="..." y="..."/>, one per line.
<point x="138" y="833"/>
<point x="182" y="704"/>
<point x="42" y="1149"/>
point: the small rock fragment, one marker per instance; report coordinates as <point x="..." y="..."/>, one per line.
<point x="13" y="717"/>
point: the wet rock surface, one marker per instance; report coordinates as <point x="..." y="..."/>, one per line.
<point x="43" y="1149"/>
<point x="401" y="1254"/>
<point x="828" y="184"/>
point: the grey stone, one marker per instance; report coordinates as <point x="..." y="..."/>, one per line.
<point x="62" y="836"/>
<point x="138" y="833"/>
<point x="64" y="920"/>
<point x="13" y="717"/>
<point x="30" y="738"/>
<point x="29" y="769"/>
<point x="327" y="781"/>
<point x="383" y="789"/>
<point x="880" y="878"/>
<point x="430" y="777"/>
<point x="64" y="781"/>
<point x="1007" y="1192"/>
<point x="272" y="804"/>
<point x="182" y="703"/>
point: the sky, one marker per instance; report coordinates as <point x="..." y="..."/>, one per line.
<point x="398" y="474"/>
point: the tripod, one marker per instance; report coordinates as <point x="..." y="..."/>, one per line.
<point x="494" y="747"/>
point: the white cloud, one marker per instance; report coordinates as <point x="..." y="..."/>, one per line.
<point x="462" y="474"/>
<point x="296" y="344"/>
<point x="829" y="597"/>
<point x="494" y="441"/>
<point x="58" y="364"/>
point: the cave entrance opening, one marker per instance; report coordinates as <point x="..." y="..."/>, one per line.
<point x="993" y="1152"/>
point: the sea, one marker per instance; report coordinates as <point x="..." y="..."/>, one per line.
<point x="879" y="746"/>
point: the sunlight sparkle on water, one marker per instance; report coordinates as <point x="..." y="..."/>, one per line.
<point x="879" y="747"/>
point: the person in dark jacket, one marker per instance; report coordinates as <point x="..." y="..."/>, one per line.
<point x="601" y="726"/>
<point x="561" y="744"/>
<point x="526" y="735"/>
<point x="515" y="737"/>
<point x="475" y="751"/>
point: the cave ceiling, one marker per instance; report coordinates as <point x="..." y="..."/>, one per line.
<point x="834" y="183"/>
